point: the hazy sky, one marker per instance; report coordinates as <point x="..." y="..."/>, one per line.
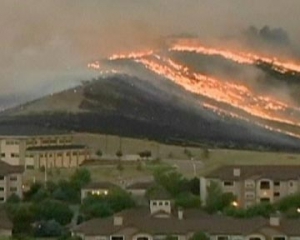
<point x="49" y="42"/>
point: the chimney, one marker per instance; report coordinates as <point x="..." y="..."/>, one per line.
<point x="180" y="213"/>
<point x="118" y="220"/>
<point x="236" y="172"/>
<point x="275" y="220"/>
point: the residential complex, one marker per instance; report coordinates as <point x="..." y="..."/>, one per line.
<point x="160" y="221"/>
<point x="10" y="181"/>
<point x="35" y="148"/>
<point x="255" y="184"/>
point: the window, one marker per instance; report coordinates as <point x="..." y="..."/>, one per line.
<point x="13" y="189"/>
<point x="277" y="183"/>
<point x="29" y="167"/>
<point x="291" y="184"/>
<point x="59" y="155"/>
<point x="2" y="154"/>
<point x="276" y="194"/>
<point x="249" y="195"/>
<point x="68" y="153"/>
<point x="249" y="183"/>
<point x="13" y="178"/>
<point x="14" y="155"/>
<point x="222" y="238"/>
<point x="279" y="238"/>
<point x="50" y="154"/>
<point x="154" y="203"/>
<point x="160" y="203"/>
<point x="265" y="200"/>
<point x="1" y="189"/>
<point x="1" y="177"/>
<point x="166" y="203"/>
<point x="74" y="153"/>
<point x="228" y="183"/>
<point x="2" y="199"/>
<point x="41" y="155"/>
<point x="143" y="238"/>
<point x="117" y="238"/>
<point x="255" y="238"/>
<point x="264" y="185"/>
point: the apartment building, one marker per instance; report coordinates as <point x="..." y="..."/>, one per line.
<point x="160" y="220"/>
<point x="255" y="184"/>
<point x="10" y="180"/>
<point x="36" y="147"/>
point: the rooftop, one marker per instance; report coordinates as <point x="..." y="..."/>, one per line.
<point x="276" y="172"/>
<point x="6" y="168"/>
<point x="100" y="185"/>
<point x="56" y="148"/>
<point x="194" y="220"/>
<point x="140" y="185"/>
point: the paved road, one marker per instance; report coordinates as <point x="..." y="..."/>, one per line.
<point x="186" y="167"/>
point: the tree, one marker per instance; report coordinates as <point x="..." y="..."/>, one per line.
<point x="49" y="228"/>
<point x="53" y="209"/>
<point x="120" y="166"/>
<point x="22" y="217"/>
<point x="216" y="200"/>
<point x="194" y="186"/>
<point x="288" y="202"/>
<point x="34" y="188"/>
<point x="188" y="153"/>
<point x="99" y="153"/>
<point x="171" y="180"/>
<point x="40" y="195"/>
<point x="97" y="209"/>
<point x="81" y="177"/>
<point x="187" y="200"/>
<point x="199" y="236"/>
<point x="67" y="192"/>
<point x="14" y="198"/>
<point x="205" y="153"/>
<point x="106" y="205"/>
<point x="119" y="154"/>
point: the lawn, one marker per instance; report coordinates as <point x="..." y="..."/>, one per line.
<point x="217" y="157"/>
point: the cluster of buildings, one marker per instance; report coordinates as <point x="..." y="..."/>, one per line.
<point x="161" y="220"/>
<point x="250" y="184"/>
<point x="36" y="148"/>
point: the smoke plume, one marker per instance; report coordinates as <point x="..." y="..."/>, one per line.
<point x="46" y="44"/>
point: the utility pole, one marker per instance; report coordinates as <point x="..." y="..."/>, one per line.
<point x="46" y="177"/>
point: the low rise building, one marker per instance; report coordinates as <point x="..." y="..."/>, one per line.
<point x="253" y="184"/>
<point x="61" y="156"/>
<point x="160" y="221"/>
<point x="139" y="189"/>
<point x="32" y="147"/>
<point x="10" y="181"/>
<point x="97" y="188"/>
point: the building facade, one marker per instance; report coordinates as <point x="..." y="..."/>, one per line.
<point x="40" y="148"/>
<point x="254" y="184"/>
<point x="10" y="181"/>
<point x="160" y="221"/>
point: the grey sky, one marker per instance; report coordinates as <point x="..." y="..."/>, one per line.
<point x="52" y="40"/>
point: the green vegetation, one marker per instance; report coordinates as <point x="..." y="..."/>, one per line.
<point x="105" y="205"/>
<point x="199" y="236"/>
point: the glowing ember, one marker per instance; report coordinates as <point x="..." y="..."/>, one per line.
<point x="240" y="101"/>
<point x="239" y="57"/>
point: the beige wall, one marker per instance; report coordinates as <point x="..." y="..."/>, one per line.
<point x="5" y="232"/>
<point x="11" y="183"/>
<point x="248" y="191"/>
<point x="57" y="158"/>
